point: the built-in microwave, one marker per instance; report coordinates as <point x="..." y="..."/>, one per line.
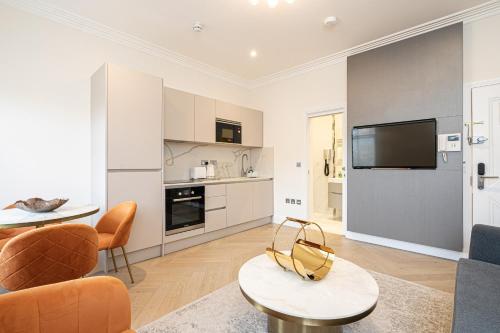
<point x="227" y="131"/>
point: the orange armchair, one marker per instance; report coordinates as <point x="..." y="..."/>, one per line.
<point x="7" y="234"/>
<point x="114" y="230"/>
<point x="48" y="255"/>
<point x="97" y="305"/>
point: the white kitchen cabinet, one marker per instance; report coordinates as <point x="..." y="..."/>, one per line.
<point x="144" y="188"/>
<point x="228" y="111"/>
<point x="239" y="203"/>
<point x="215" y="220"/>
<point x="215" y="190"/>
<point x="132" y="107"/>
<point x="263" y="199"/>
<point x="215" y="202"/>
<point x="204" y="119"/>
<point x="179" y="115"/>
<point x="252" y="124"/>
<point x="126" y="149"/>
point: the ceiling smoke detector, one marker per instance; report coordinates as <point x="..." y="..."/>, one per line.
<point x="197" y="27"/>
<point x="330" y="20"/>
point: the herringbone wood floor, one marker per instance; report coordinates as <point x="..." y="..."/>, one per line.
<point x="167" y="283"/>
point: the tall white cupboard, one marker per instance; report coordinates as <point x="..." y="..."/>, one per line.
<point x="127" y="143"/>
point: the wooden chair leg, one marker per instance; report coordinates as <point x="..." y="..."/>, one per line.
<point x="128" y="266"/>
<point x="114" y="260"/>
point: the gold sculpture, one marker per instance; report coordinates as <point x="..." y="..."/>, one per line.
<point x="309" y="260"/>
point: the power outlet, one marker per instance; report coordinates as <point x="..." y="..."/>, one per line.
<point x="204" y="162"/>
<point x="287" y="200"/>
<point x="299" y="202"/>
<point x="292" y="201"/>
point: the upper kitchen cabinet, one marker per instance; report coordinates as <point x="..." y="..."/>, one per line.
<point x="228" y="111"/>
<point x="204" y="119"/>
<point x="179" y="115"/>
<point x="132" y="106"/>
<point x="252" y="128"/>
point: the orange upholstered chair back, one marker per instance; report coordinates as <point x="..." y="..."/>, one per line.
<point x="118" y="221"/>
<point x="97" y="305"/>
<point x="7" y="233"/>
<point x="48" y="255"/>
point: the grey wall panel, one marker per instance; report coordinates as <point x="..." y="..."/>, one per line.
<point x="413" y="79"/>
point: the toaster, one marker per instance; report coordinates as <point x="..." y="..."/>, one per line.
<point x="198" y="172"/>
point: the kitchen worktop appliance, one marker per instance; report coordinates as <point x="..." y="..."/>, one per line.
<point x="184" y="209"/>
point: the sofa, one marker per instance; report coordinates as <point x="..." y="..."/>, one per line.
<point x="90" y="305"/>
<point x="477" y="290"/>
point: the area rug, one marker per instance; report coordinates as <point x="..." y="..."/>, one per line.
<point x="402" y="307"/>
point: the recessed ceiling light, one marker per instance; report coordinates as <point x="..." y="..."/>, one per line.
<point x="253" y="53"/>
<point x="272" y="3"/>
<point x="254" y="2"/>
<point x="330" y="20"/>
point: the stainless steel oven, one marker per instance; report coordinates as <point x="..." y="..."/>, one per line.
<point x="227" y="131"/>
<point x="184" y="209"/>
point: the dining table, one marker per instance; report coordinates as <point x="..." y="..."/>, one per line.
<point x="16" y="218"/>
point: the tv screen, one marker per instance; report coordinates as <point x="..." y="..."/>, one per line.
<point x="410" y="144"/>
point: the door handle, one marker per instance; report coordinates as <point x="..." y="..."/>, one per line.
<point x="187" y="199"/>
<point x="489" y="177"/>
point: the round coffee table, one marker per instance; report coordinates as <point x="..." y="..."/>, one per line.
<point x="347" y="294"/>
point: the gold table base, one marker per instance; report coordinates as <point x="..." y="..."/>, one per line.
<point x="276" y="325"/>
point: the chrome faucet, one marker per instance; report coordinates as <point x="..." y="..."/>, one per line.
<point x="243" y="170"/>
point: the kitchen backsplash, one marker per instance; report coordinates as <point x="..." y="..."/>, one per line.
<point x="179" y="157"/>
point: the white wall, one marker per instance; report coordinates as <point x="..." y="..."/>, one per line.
<point x="45" y="95"/>
<point x="482" y="49"/>
<point x="45" y="70"/>
<point x="324" y="88"/>
<point x="285" y="105"/>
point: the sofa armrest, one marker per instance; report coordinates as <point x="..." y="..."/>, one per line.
<point x="485" y="244"/>
<point x="96" y="304"/>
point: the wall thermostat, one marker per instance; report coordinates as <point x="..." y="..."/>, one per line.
<point x="450" y="142"/>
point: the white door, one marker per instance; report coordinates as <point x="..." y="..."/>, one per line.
<point x="486" y="117"/>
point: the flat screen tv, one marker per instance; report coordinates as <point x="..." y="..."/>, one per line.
<point x="409" y="145"/>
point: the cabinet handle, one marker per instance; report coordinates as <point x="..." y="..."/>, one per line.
<point x="187" y="199"/>
<point x="211" y="210"/>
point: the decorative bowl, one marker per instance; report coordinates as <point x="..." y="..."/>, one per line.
<point x="38" y="205"/>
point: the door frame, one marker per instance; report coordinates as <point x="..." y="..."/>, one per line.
<point x="468" y="167"/>
<point x="341" y="108"/>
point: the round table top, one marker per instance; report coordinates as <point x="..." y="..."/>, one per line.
<point x="15" y="218"/>
<point x="347" y="294"/>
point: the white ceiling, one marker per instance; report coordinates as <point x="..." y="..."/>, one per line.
<point x="285" y="36"/>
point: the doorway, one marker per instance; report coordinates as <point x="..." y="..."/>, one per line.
<point x="485" y="148"/>
<point x="326" y="170"/>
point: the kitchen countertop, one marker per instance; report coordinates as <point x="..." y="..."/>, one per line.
<point x="198" y="182"/>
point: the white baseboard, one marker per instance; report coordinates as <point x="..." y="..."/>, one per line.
<point x="406" y="246"/>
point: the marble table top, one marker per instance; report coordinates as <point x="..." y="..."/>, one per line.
<point x="347" y="294"/>
<point x="13" y="218"/>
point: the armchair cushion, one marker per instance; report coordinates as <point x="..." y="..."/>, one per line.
<point x="97" y="305"/>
